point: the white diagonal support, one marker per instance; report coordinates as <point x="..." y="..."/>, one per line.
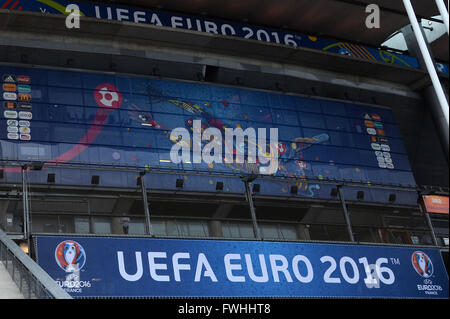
<point x="443" y="11"/>
<point x="427" y="59"/>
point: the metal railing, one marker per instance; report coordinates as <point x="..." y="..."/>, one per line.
<point x="32" y="281"/>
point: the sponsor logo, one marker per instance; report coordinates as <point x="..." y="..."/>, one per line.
<point x="13" y="136"/>
<point x="9" y="78"/>
<point x="23" y="79"/>
<point x="12" y="122"/>
<point x="385" y="148"/>
<point x="107" y="95"/>
<point x="369" y="123"/>
<point x="25" y="115"/>
<point x="376" y="146"/>
<point x="13" y="129"/>
<point x="436" y="200"/>
<point x="383" y="140"/>
<point x="10" y="105"/>
<point x="24" y="130"/>
<point x="380" y="159"/>
<point x="390" y="165"/>
<point x="24" y="123"/>
<point x="378" y="153"/>
<point x="371" y="131"/>
<point x="378" y="125"/>
<point x="386" y="154"/>
<point x="382" y="165"/>
<point x="422" y="264"/>
<point x="376" y="117"/>
<point x="367" y="116"/>
<point x="26" y="106"/>
<point x="9" y="87"/>
<point x="10" y="96"/>
<point x="70" y="256"/>
<point x="24" y="97"/>
<point x="388" y="159"/>
<point x="379" y="132"/>
<point x="10" y="114"/>
<point x="23" y="88"/>
<point x="25" y="137"/>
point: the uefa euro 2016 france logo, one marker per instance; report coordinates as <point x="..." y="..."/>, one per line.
<point x="422" y="264"/>
<point x="70" y="256"/>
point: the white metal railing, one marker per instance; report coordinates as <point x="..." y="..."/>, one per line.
<point x="32" y="281"/>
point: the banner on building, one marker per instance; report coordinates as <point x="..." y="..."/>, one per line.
<point x="436" y="204"/>
<point x="148" y="267"/>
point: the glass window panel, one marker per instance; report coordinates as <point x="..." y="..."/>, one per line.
<point x="171" y="228"/>
<point x="269" y="231"/>
<point x="137" y="226"/>
<point x="288" y="231"/>
<point x="102" y="225"/>
<point x="82" y="225"/>
<point x="196" y="229"/>
<point x="246" y="231"/>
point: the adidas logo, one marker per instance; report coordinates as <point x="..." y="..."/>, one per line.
<point x="9" y="78"/>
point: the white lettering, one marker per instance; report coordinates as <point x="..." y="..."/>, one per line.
<point x="155" y="20"/>
<point x="210" y="27"/>
<point x="309" y="269"/>
<point x="176" y="22"/>
<point x="202" y="261"/>
<point x="122" y="271"/>
<point x="230" y="267"/>
<point x="154" y="266"/>
<point x="139" y="16"/>
<point x="177" y="267"/>
<point x="264" y="275"/>
<point x="224" y="27"/>
<point x="279" y="268"/>
<point x="122" y="14"/>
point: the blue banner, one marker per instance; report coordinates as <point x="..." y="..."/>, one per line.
<point x="201" y="24"/>
<point x="91" y="119"/>
<point x="144" y="267"/>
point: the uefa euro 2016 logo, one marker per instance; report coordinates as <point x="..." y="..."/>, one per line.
<point x="70" y="256"/>
<point x="422" y="264"/>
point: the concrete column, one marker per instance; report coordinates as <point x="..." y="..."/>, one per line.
<point x="215" y="228"/>
<point x="303" y="232"/>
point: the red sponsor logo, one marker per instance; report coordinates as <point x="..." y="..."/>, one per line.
<point x="23" y="79"/>
<point x="24" y="97"/>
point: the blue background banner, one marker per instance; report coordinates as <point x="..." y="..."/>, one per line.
<point x="201" y="24"/>
<point x="143" y="267"/>
<point x="110" y="121"/>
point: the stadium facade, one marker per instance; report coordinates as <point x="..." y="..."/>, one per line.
<point x="357" y="205"/>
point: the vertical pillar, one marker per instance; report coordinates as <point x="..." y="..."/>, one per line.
<point x="346" y="215"/>
<point x="252" y="210"/>
<point x="148" y="225"/>
<point x="215" y="228"/>
<point x="26" y="207"/>
<point x="303" y="232"/>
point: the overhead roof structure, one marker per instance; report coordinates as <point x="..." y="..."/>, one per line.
<point x="339" y="19"/>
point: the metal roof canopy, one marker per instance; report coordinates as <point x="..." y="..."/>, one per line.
<point x="338" y="19"/>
